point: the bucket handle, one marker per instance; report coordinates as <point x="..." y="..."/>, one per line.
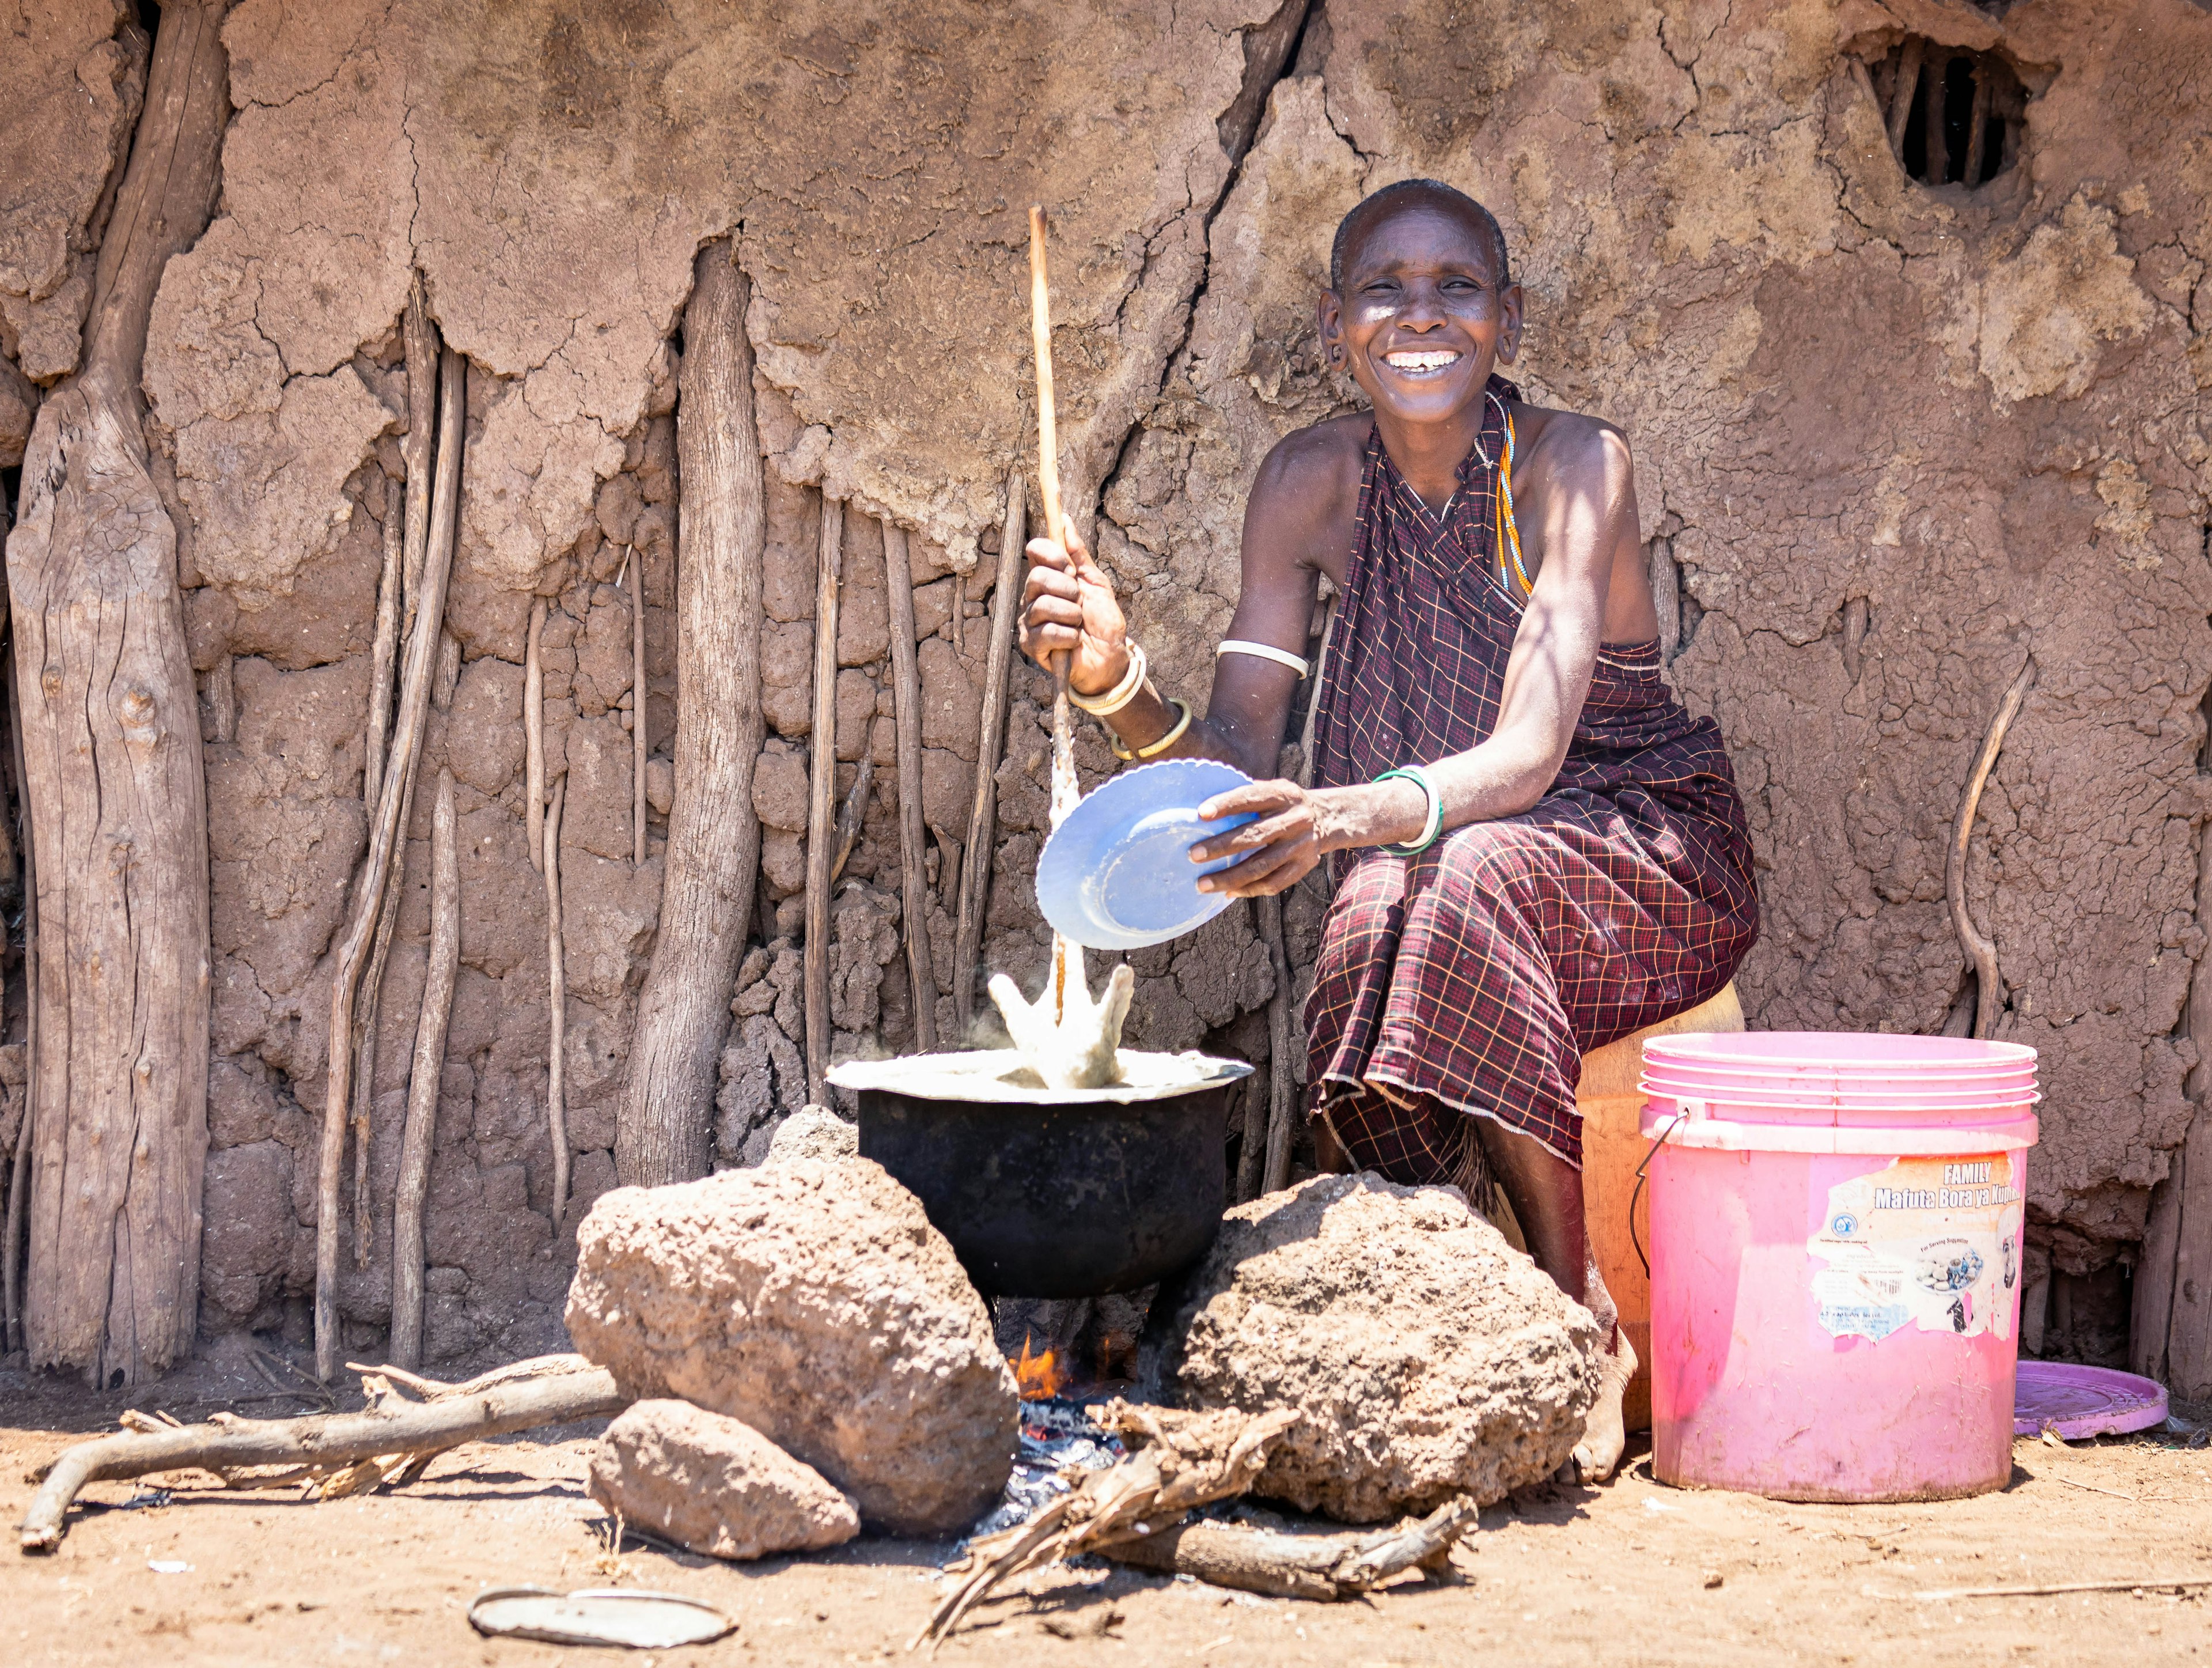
<point x="1637" y="1192"/>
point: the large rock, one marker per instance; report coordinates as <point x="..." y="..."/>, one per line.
<point x="714" y="1484"/>
<point x="1429" y="1357"/>
<point x="813" y="1301"/>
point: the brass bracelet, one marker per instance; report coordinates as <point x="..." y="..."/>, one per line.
<point x="1154" y="749"/>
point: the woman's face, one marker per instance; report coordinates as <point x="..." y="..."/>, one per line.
<point x="1421" y="318"/>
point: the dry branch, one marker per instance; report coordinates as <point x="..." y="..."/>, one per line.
<point x="422" y="1084"/>
<point x="982" y="815"/>
<point x="395" y="1427"/>
<point x="387" y="647"/>
<point x="637" y="711"/>
<point x="1286" y="1566"/>
<point x="116" y="785"/>
<point x="1187" y="1460"/>
<point x="533" y="737"/>
<point x="710" y="865"/>
<point x="1983" y="952"/>
<point x="906" y="695"/>
<point x="512" y="1373"/>
<point x="556" y="997"/>
<point x="386" y="838"/>
<point x="822" y="796"/>
<point x="852" y="814"/>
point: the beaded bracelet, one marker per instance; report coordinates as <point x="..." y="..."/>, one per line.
<point x="1154" y="749"/>
<point x="1432" y="824"/>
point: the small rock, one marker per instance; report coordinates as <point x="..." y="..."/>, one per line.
<point x="812" y="1299"/>
<point x="1712" y="1579"/>
<point x="813" y="1132"/>
<point x="1428" y="1357"/>
<point x="714" y="1484"/>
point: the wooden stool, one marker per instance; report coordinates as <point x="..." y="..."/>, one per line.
<point x="1610" y="1107"/>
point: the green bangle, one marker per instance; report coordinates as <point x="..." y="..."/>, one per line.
<point x="1435" y="824"/>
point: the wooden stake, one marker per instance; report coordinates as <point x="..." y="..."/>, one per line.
<point x="533" y="737"/>
<point x="906" y="695"/>
<point x="419" y="1142"/>
<point x="1976" y="125"/>
<point x="1901" y="99"/>
<point x="557" y="984"/>
<point x="1252" y="1153"/>
<point x="417" y="447"/>
<point x="1932" y="93"/>
<point x="1982" y="950"/>
<point x="18" y="1182"/>
<point x="710" y="865"/>
<point x="387" y="643"/>
<point x="982" y="814"/>
<point x="395" y="1426"/>
<point x="1064" y="790"/>
<point x="822" y="797"/>
<point x="1283" y="1079"/>
<point x="637" y="708"/>
<point x="387" y="834"/>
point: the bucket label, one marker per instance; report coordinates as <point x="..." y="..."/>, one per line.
<point x="1934" y="1242"/>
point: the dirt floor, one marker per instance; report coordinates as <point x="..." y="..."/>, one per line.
<point x="1635" y="1573"/>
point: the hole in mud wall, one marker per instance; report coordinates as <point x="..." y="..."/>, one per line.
<point x="1955" y="117"/>
<point x="2087" y="1317"/>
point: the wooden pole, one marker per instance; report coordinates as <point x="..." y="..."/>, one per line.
<point x="386" y="836"/>
<point x="822" y="797"/>
<point x="420" y="1138"/>
<point x="1064" y="791"/>
<point x="19" y="1182"/>
<point x="557" y="996"/>
<point x="982" y="813"/>
<point x="906" y="694"/>
<point x="711" y="863"/>
<point x="637" y="708"/>
<point x="1988" y="990"/>
<point x="1283" y="1079"/>
<point x="388" y="604"/>
<point x="533" y="737"/>
<point x="1900" y="100"/>
<point x="1933" y="93"/>
<point x="116" y="785"/>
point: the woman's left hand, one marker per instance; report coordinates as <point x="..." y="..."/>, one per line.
<point x="1286" y="839"/>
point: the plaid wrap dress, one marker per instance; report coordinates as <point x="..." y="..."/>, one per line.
<point x="1470" y="979"/>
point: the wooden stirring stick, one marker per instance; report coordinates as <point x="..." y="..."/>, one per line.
<point x="1055" y="526"/>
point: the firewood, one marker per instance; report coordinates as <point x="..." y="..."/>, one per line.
<point x="906" y="698"/>
<point x="822" y="796"/>
<point x="638" y="710"/>
<point x="386" y="839"/>
<point x="710" y="865"/>
<point x="116" y="783"/>
<point x="556" y="987"/>
<point x="974" y="894"/>
<point x="1327" y="1568"/>
<point x="420" y="1133"/>
<point x="1186" y="1460"/>
<point x="387" y="645"/>
<point x="1988" y="993"/>
<point x="395" y="1426"/>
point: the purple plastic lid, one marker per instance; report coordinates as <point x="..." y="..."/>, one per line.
<point x="2077" y="1402"/>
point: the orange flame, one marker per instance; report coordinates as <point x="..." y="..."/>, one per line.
<point x="1039" y="1376"/>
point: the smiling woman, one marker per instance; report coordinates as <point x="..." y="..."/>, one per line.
<point x="1537" y="849"/>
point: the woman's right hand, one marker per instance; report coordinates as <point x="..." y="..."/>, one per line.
<point x="1068" y="604"/>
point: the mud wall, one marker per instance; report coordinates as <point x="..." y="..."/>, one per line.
<point x="1894" y="439"/>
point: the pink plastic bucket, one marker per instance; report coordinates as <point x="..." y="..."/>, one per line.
<point x="1835" y="1245"/>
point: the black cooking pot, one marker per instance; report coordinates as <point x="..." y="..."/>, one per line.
<point x="1052" y="1193"/>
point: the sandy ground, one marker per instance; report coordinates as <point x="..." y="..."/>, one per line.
<point x="1634" y="1573"/>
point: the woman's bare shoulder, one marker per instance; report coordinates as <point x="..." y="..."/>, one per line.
<point x="1308" y="489"/>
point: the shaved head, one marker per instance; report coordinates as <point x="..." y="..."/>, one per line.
<point x="1377" y="207"/>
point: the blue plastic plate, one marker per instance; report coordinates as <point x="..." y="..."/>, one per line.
<point x="1117" y="874"/>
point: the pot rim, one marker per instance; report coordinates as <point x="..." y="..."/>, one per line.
<point x="978" y="1084"/>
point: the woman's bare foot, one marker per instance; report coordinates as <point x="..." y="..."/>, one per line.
<point x="1604" y="1434"/>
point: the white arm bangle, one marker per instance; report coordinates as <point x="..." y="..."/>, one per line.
<point x="1263" y="652"/>
<point x="1132" y="680"/>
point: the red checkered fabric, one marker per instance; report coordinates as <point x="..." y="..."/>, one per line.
<point x="1471" y="977"/>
